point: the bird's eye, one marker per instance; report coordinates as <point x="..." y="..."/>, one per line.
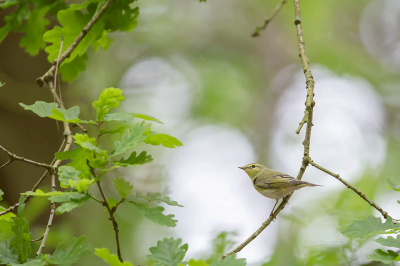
<point x="253" y="166"/>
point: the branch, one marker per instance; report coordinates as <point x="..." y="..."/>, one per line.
<point x="49" y="75"/>
<point x="112" y="218"/>
<point x="53" y="209"/>
<point x="307" y="139"/>
<point x="14" y="157"/>
<point x="28" y="197"/>
<point x="348" y="185"/>
<point x="278" y="8"/>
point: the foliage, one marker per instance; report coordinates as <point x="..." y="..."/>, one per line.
<point x="373" y="226"/>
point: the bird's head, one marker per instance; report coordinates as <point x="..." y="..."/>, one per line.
<point x="253" y="169"/>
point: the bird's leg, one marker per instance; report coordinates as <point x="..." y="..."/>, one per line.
<point x="272" y="212"/>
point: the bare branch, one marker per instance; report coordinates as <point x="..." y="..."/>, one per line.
<point x="307" y="139"/>
<point x="49" y="75"/>
<point x="18" y="158"/>
<point x="347" y="184"/>
<point x="278" y="8"/>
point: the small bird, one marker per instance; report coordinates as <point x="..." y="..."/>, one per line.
<point x="273" y="184"/>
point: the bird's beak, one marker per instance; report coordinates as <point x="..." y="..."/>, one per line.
<point x="242" y="167"/>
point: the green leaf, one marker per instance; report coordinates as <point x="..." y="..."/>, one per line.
<point x="152" y="196"/>
<point x="372" y="226"/>
<point x="123" y="187"/>
<point x="155" y="214"/>
<point x="389" y="242"/>
<point x="230" y="261"/>
<point x="40" y="108"/>
<point x="15" y="19"/>
<point x="109" y="98"/>
<point x="71" y="70"/>
<point x="69" y="177"/>
<point x="69" y="196"/>
<point x="111" y="259"/>
<point x="84" y="141"/>
<point x="6" y="217"/>
<point x="50" y="110"/>
<point x="32" y="262"/>
<point x="79" y="157"/>
<point x="111" y="203"/>
<point x="7" y="256"/>
<point x="131" y="138"/>
<point x="34" y="29"/>
<point x="120" y="16"/>
<point x="168" y="252"/>
<point x="71" y="115"/>
<point x="197" y="263"/>
<point x="128" y="117"/>
<point x="68" y="206"/>
<point x="167" y="141"/>
<point x="21" y="243"/>
<point x="40" y="193"/>
<point x="393" y="185"/>
<point x="76" y="250"/>
<point x="1" y="194"/>
<point x="120" y="130"/>
<point x="72" y="22"/>
<point x="142" y="158"/>
<point x="8" y="3"/>
<point x="384" y="257"/>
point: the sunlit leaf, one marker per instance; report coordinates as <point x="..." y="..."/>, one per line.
<point x="69" y="177"/>
<point x="389" y="242"/>
<point x="79" y="157"/>
<point x="111" y="259"/>
<point x="142" y="158"/>
<point x="8" y="216"/>
<point x="197" y="263"/>
<point x="40" y="108"/>
<point x="155" y="214"/>
<point x="128" y="117"/>
<point x="109" y="98"/>
<point x="122" y="186"/>
<point x="168" y="252"/>
<point x="1" y="194"/>
<point x="167" y="141"/>
<point x="384" y="257"/>
<point x="372" y="226"/>
<point x="393" y="185"/>
<point x="120" y="130"/>
<point x="131" y="138"/>
<point x="152" y="196"/>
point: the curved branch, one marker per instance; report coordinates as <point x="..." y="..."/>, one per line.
<point x="14" y="157"/>
<point x="307" y="139"/>
<point x="278" y="8"/>
<point x="348" y="185"/>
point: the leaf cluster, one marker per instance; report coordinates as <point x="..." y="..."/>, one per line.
<point x="31" y="18"/>
<point x="374" y="226"/>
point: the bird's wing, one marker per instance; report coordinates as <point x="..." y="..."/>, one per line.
<point x="274" y="179"/>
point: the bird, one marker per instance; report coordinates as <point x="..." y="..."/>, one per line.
<point x="273" y="184"/>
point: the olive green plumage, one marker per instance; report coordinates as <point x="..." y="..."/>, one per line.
<point x="273" y="184"/>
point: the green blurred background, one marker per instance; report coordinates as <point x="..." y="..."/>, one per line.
<point x="232" y="100"/>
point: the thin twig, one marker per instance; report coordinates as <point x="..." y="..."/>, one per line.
<point x="114" y="222"/>
<point x="52" y="211"/>
<point x="7" y="163"/>
<point x="278" y="8"/>
<point x="36" y="240"/>
<point x="27" y="197"/>
<point x="80" y="126"/>
<point x="303" y="121"/>
<point x="49" y="75"/>
<point x="68" y="135"/>
<point x="19" y="158"/>
<point x="307" y="139"/>
<point x="362" y="195"/>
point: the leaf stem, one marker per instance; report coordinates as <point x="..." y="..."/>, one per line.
<point x="112" y="218"/>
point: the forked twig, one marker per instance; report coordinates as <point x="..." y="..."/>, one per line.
<point x="278" y="8"/>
